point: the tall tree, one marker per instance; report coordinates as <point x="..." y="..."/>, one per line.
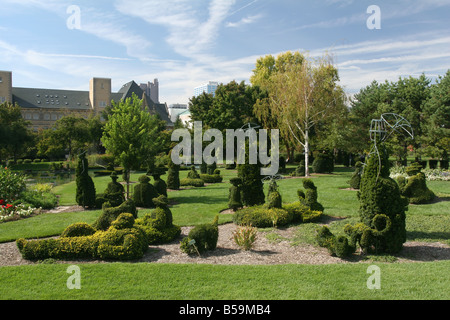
<point x="301" y="93"/>
<point x="132" y="135"/>
<point x="14" y="132"/>
<point x="436" y="138"/>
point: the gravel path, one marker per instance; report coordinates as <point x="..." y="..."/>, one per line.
<point x="265" y="252"/>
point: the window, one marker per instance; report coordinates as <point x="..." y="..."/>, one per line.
<point x="1" y="79"/>
<point x="47" y="117"/>
<point x="102" y="104"/>
<point x="2" y="99"/>
<point x="35" y="116"/>
<point x="54" y="117"/>
<point x="27" y="116"/>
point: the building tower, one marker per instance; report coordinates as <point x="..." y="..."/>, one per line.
<point x="5" y="86"/>
<point x="99" y="94"/>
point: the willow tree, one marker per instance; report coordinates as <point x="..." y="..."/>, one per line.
<point x="132" y="135"/>
<point x="301" y="92"/>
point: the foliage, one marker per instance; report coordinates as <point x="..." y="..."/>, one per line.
<point x="113" y="194"/>
<point x="323" y="163"/>
<point x="309" y="196"/>
<point x="235" y="194"/>
<point x="301" y="93"/>
<point x="302" y="213"/>
<point x="193" y="174"/>
<point x="274" y="199"/>
<point x="85" y="195"/>
<point x="37" y="199"/>
<point x="211" y="178"/>
<point x="245" y="237"/>
<point x="415" y="187"/>
<point x="121" y="241"/>
<point x="158" y="224"/>
<point x="173" y="176"/>
<point x="355" y="180"/>
<point x="262" y="217"/>
<point x="252" y="185"/>
<point x="132" y="135"/>
<point x="230" y="108"/>
<point x="109" y="214"/>
<point x="11" y="184"/>
<point x="144" y="193"/>
<point x="198" y="183"/>
<point x="14" y="132"/>
<point x="201" y="238"/>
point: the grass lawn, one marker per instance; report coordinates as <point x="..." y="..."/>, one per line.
<point x="117" y="281"/>
<point x="128" y="281"/>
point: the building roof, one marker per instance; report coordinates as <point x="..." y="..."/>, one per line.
<point x="51" y="99"/>
<point x="33" y="98"/>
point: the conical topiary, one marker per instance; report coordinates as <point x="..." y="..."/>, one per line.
<point x="85" y="194"/>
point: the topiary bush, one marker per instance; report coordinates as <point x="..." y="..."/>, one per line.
<point x="158" y="224"/>
<point x="144" y="193"/>
<point x="262" y="217"/>
<point x="323" y="163"/>
<point x="300" y="170"/>
<point x="380" y="195"/>
<point x="187" y="182"/>
<point x="302" y="213"/>
<point x="355" y="180"/>
<point x="173" y="176"/>
<point x="414" y="187"/>
<point x="274" y="199"/>
<point x="193" y="174"/>
<point x="201" y="238"/>
<point x="211" y="178"/>
<point x="159" y="184"/>
<point x="122" y="241"/>
<point x="85" y="193"/>
<point x="235" y="194"/>
<point x="114" y="193"/>
<point x="252" y="185"/>
<point x="110" y="213"/>
<point x="309" y="196"/>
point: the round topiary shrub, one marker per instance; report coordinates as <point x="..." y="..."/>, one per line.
<point x="78" y="230"/>
<point x="323" y="163"/>
<point x="144" y="193"/>
<point x="201" y="238"/>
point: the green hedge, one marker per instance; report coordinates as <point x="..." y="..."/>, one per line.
<point x="187" y="182"/>
<point x="262" y="217"/>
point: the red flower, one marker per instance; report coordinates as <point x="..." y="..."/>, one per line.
<point x="2" y="201"/>
<point x="9" y="206"/>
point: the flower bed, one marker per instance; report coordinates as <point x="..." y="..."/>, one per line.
<point x="9" y="212"/>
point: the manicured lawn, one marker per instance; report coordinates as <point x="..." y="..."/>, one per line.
<point x="142" y="281"/>
<point x="150" y="281"/>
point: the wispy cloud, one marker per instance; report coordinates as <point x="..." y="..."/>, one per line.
<point x="244" y="21"/>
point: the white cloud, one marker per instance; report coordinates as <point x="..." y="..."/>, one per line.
<point x="244" y="21"/>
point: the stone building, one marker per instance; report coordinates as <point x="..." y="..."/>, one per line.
<point x="43" y="107"/>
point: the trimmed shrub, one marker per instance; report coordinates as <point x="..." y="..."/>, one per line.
<point x="211" y="178"/>
<point x="301" y="213"/>
<point x="262" y="217"/>
<point x="160" y="185"/>
<point x="144" y="193"/>
<point x="380" y="194"/>
<point x="85" y="194"/>
<point x="252" y="185"/>
<point x="273" y="196"/>
<point x="300" y="170"/>
<point x="173" y="176"/>
<point x="309" y="196"/>
<point x="201" y="238"/>
<point x="78" y="230"/>
<point x="338" y="246"/>
<point x="193" y="174"/>
<point x="416" y="190"/>
<point x="121" y="241"/>
<point x="158" y="224"/>
<point x="323" y="163"/>
<point x="235" y="194"/>
<point x="210" y="168"/>
<point x="114" y="193"/>
<point x="355" y="180"/>
<point x="187" y="182"/>
<point x="110" y="214"/>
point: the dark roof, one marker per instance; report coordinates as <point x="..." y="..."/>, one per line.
<point x="49" y="98"/>
<point x="131" y="87"/>
<point x="79" y="100"/>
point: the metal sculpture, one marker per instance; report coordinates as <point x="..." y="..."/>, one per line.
<point x="381" y="129"/>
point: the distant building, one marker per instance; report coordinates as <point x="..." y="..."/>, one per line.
<point x="43" y="107"/>
<point x="152" y="90"/>
<point x="185" y="118"/>
<point x="175" y="110"/>
<point x="209" y="87"/>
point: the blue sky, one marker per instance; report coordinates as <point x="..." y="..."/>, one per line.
<point x="185" y="43"/>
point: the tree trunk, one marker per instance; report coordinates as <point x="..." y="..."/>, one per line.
<point x="306" y="152"/>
